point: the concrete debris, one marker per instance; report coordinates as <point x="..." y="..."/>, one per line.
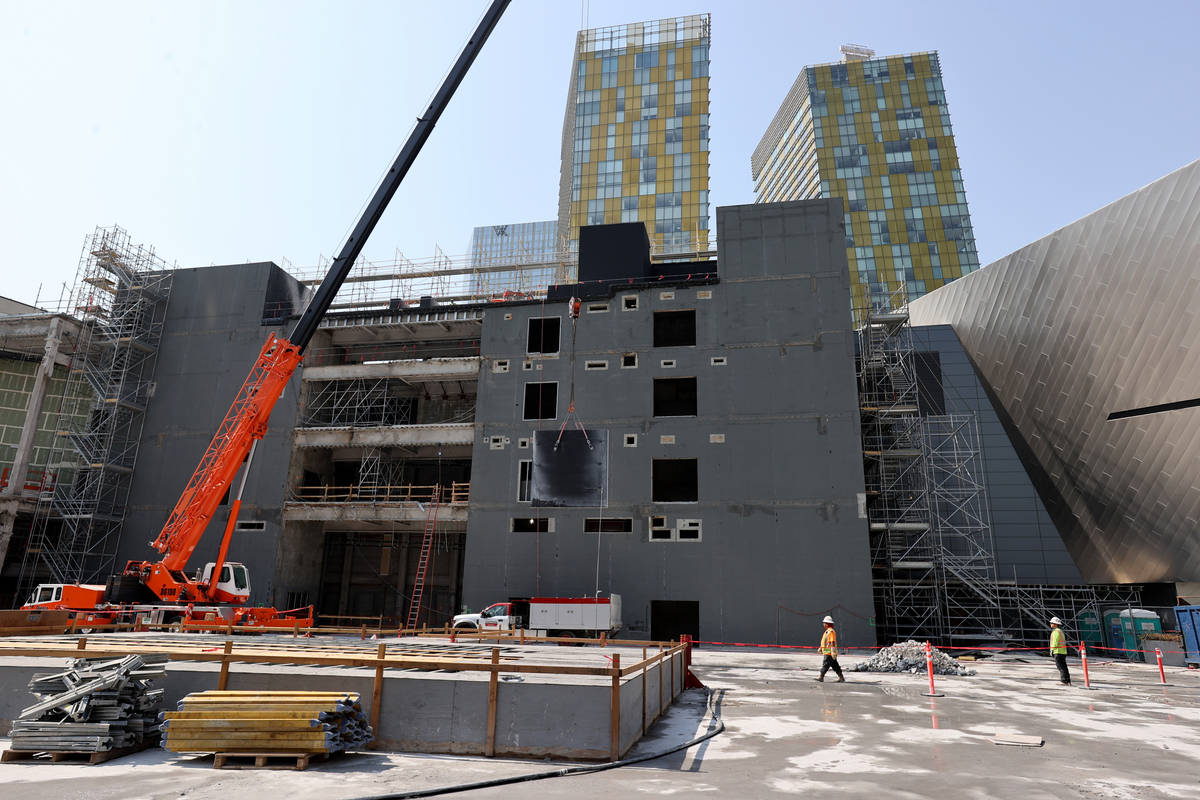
<point x="910" y="657"/>
<point x="94" y="706"/>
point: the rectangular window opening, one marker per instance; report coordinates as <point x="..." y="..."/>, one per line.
<point x="595" y="365"/>
<point x="532" y="524"/>
<point x="597" y="308"/>
<point x="687" y="530"/>
<point x="629" y="302"/>
<point x="629" y="361"/>
<point x="608" y="525"/>
<point x="631" y="440"/>
<point x="675" y="397"/>
<point x="251" y="525"/>
<point x="500" y="365"/>
<point x="675" y="328"/>
<point x="524" y="480"/>
<point x="675" y="480"/>
<point x="541" y="400"/>
<point x="718" y="361"/>
<point x="543" y="335"/>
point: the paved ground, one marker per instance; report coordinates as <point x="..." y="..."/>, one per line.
<point x="1129" y="738"/>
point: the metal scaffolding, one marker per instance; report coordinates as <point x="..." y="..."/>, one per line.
<point x="120" y="297"/>
<point x="359" y="403"/>
<point x="932" y="550"/>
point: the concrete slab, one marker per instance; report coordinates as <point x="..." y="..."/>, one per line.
<point x="874" y="736"/>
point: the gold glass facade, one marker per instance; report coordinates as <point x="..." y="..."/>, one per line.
<point x="635" y="137"/>
<point x="876" y="132"/>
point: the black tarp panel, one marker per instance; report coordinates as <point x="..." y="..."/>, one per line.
<point x="572" y="475"/>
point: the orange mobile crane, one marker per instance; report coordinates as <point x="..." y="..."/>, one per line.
<point x="194" y="598"/>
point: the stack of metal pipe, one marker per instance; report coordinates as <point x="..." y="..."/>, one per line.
<point x="266" y="722"/>
<point x="93" y="706"/>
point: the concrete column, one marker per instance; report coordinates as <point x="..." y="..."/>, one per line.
<point x="33" y="412"/>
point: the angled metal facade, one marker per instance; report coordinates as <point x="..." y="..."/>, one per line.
<point x="1100" y="316"/>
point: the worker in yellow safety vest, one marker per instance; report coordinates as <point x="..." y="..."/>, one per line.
<point x="1058" y="649"/>
<point x="829" y="651"/>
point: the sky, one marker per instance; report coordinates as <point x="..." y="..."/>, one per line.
<point x="224" y="132"/>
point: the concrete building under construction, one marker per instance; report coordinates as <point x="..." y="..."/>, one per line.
<point x="750" y="461"/>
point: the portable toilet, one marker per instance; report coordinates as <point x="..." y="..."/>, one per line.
<point x="1090" y="630"/>
<point x="1126" y="627"/>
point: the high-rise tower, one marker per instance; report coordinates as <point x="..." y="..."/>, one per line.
<point x="875" y="132"/>
<point x="635" y="136"/>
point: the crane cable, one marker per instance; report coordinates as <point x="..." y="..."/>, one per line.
<point x="573" y="311"/>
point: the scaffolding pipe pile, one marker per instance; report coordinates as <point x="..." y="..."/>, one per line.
<point x="94" y="706"/>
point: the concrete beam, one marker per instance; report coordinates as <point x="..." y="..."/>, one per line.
<point x="369" y="512"/>
<point x="389" y="436"/>
<point x="414" y="370"/>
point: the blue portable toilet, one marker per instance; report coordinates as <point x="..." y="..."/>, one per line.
<point x="1126" y="627"/>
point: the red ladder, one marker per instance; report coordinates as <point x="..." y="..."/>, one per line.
<point x="414" y="608"/>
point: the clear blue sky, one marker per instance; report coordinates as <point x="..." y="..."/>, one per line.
<point x="230" y="131"/>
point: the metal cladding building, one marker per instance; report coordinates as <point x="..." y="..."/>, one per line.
<point x="1088" y="343"/>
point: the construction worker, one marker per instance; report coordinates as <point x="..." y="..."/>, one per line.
<point x="829" y="651"/>
<point x="1058" y="649"/>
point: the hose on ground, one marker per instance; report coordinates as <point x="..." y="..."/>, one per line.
<point x="558" y="773"/>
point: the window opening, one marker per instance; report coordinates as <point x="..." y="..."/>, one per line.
<point x="524" y="480"/>
<point x="675" y="480"/>
<point x="532" y="525"/>
<point x="675" y="397"/>
<point x="541" y="400"/>
<point x="675" y="328"/>
<point x="608" y="525"/>
<point x="629" y="361"/>
<point x="543" y="335"/>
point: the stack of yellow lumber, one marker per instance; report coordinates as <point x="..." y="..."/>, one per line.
<point x="266" y="722"/>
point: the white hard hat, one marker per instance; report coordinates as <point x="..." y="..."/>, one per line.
<point x="1055" y="621"/>
<point x="828" y="619"/>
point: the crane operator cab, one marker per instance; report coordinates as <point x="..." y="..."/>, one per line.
<point x="234" y="583"/>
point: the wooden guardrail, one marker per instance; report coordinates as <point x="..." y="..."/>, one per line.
<point x="669" y="657"/>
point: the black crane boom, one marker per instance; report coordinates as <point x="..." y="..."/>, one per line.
<point x="307" y="325"/>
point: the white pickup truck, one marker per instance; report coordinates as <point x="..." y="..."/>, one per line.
<point x="549" y="616"/>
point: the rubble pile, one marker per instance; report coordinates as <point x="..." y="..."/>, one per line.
<point x="95" y="705"/>
<point x="910" y="657"/>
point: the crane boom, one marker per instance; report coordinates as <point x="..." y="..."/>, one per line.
<point x="246" y="420"/>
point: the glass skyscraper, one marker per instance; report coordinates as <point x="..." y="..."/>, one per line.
<point x="875" y="132"/>
<point x="531" y="248"/>
<point x="635" y="136"/>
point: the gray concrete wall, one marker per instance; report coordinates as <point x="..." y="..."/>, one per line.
<point x="777" y="499"/>
<point x="426" y="712"/>
<point x="1028" y="546"/>
<point x="212" y="336"/>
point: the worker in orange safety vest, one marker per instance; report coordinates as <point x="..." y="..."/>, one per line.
<point x="829" y="651"/>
